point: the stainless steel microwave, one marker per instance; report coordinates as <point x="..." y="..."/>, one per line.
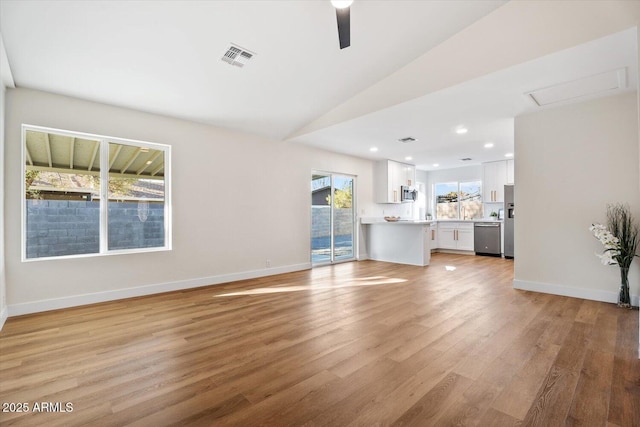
<point x="408" y="194"/>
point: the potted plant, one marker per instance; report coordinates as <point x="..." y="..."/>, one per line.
<point x="494" y="215"/>
<point x="620" y="240"/>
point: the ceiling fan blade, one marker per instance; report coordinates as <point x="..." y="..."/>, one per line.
<point x="344" y="27"/>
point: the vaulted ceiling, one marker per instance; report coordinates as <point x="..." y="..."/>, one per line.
<point x="414" y="68"/>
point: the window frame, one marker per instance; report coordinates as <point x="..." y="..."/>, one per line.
<point x="459" y="199"/>
<point x="104" y="193"/>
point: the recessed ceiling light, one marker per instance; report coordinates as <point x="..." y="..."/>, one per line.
<point x="373" y="149"/>
<point x="488" y="145"/>
<point x="509" y="155"/>
<point x="149" y="162"/>
<point x="435" y="165"/>
<point x="408" y="158"/>
<point x="461" y="130"/>
<point x="341" y="4"/>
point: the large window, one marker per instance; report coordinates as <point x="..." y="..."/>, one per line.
<point x="89" y="194"/>
<point x="458" y="200"/>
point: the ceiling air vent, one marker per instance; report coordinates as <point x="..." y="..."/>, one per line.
<point x="237" y="55"/>
<point x="466" y="159"/>
<point x="407" y="139"/>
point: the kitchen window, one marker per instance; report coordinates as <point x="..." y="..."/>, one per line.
<point x="92" y="195"/>
<point x="458" y="200"/>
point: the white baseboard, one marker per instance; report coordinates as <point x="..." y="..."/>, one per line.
<point x="4" y="313"/>
<point x="77" y="300"/>
<point x="568" y="291"/>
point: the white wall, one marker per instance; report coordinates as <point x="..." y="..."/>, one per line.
<point x="404" y="210"/>
<point x="3" y="299"/>
<point x="238" y="200"/>
<point x="573" y="161"/>
<point x="6" y="80"/>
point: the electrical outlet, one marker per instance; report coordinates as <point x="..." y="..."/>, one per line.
<point x="268" y="263"/>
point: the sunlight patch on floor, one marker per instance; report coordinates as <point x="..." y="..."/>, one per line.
<point x="329" y="284"/>
<point x="449" y="268"/>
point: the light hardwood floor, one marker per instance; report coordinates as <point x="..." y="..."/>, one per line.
<point x="362" y="344"/>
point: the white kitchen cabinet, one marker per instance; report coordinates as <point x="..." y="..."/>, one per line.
<point x="465" y="239"/>
<point x="408" y="174"/>
<point x="433" y="237"/>
<point x="385" y="175"/>
<point x="389" y="176"/>
<point x="455" y="235"/>
<point x="446" y="238"/>
<point x="511" y="176"/>
<point x="493" y="182"/>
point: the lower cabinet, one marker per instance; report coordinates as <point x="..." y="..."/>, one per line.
<point x="433" y="237"/>
<point x="455" y="235"/>
<point x="447" y="238"/>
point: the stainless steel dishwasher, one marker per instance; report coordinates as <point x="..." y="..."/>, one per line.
<point x="486" y="238"/>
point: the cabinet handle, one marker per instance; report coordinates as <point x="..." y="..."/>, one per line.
<point x="455" y="233"/>
<point x="395" y="195"/>
<point x="433" y="234"/>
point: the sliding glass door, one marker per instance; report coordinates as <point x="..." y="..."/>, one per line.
<point x="332" y="218"/>
<point x="321" y="230"/>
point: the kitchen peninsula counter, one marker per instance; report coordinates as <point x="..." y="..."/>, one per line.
<point x="433" y="222"/>
<point x="402" y="242"/>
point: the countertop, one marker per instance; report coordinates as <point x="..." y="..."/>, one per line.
<point x="378" y="220"/>
<point x="470" y="220"/>
<point x="400" y="222"/>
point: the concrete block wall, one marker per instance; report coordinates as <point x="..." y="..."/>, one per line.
<point x="69" y="227"/>
<point x="127" y="231"/>
<point x="62" y="227"/>
<point x="321" y="221"/>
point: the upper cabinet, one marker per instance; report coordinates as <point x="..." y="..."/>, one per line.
<point x="511" y="178"/>
<point x="389" y="176"/>
<point x="408" y="174"/>
<point x="494" y="180"/>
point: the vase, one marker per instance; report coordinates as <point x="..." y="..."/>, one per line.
<point x="624" y="300"/>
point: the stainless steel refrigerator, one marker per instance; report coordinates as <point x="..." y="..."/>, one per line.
<point x="509" y="219"/>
